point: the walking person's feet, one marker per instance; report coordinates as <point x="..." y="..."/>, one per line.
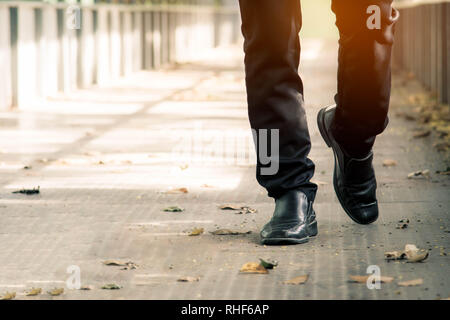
<point x="293" y="221"/>
<point x="354" y="179"/>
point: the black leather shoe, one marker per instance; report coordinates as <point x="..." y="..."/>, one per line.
<point x="354" y="179"/>
<point x="293" y="222"/>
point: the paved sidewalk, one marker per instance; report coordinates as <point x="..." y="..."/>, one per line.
<point x="104" y="159"/>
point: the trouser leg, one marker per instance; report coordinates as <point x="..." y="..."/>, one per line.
<point x="275" y="90"/>
<point x="364" y="73"/>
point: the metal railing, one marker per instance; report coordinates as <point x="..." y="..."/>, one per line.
<point x="42" y="51"/>
<point x="422" y="44"/>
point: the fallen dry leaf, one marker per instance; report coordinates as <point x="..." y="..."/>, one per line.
<point x="268" y="264"/>
<point x="188" y="279"/>
<point x="419" y="174"/>
<point x="253" y="267"/>
<point x="34" y="292"/>
<point x="129" y="265"/>
<point x="240" y="209"/>
<point x="442" y="146"/>
<point x="177" y="190"/>
<point x="393" y="255"/>
<point x="422" y="134"/>
<point x="207" y="186"/>
<point x="227" y="232"/>
<point x="389" y="163"/>
<point x="411" y="253"/>
<point x="28" y="191"/>
<point x="363" y="279"/>
<point x="229" y="207"/>
<point x="8" y="296"/>
<point x="87" y="287"/>
<point x="173" y="209"/>
<point x="414" y="254"/>
<point x="196" y="232"/>
<point x="111" y="286"/>
<point x="297" y="280"/>
<point x="406" y="116"/>
<point x="411" y="283"/>
<point x="402" y="224"/>
<point x="56" y="291"/>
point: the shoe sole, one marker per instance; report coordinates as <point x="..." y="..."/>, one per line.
<point x="326" y="138"/>
<point x="287" y="241"/>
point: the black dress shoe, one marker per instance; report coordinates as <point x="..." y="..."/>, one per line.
<point x="293" y="221"/>
<point x="354" y="179"/>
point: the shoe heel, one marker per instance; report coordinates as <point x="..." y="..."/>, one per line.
<point x="321" y="125"/>
<point x="313" y="230"/>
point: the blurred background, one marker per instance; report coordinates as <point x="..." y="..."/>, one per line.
<point x="48" y="46"/>
<point x="96" y="98"/>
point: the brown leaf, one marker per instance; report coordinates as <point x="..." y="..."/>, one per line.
<point x="34" y="292"/>
<point x="227" y="232"/>
<point x="363" y="279"/>
<point x="196" y="232"/>
<point x="28" y="191"/>
<point x="297" y="280"/>
<point x="129" y="265"/>
<point x="422" y="134"/>
<point x="393" y="255"/>
<point x="413" y="254"/>
<point x="56" y="291"/>
<point x="177" y="190"/>
<point x="87" y="287"/>
<point x="245" y="210"/>
<point x="8" y="296"/>
<point x="188" y="279"/>
<point x="419" y="174"/>
<point x="389" y="163"/>
<point x="411" y="283"/>
<point x="229" y="207"/>
<point x="239" y="208"/>
<point x="253" y="267"/>
<point x="403" y="224"/>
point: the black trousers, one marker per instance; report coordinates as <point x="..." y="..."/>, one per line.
<point x="275" y="90"/>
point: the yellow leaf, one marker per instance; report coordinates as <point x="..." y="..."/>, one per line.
<point x="56" y="291"/>
<point x="253" y="267"/>
<point x="196" y="232"/>
<point x="8" y="296"/>
<point x="34" y="292"/>
<point x="297" y="280"/>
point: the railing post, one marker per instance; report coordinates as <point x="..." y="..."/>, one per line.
<point x="156" y="36"/>
<point x="102" y="40"/>
<point x="87" y="48"/>
<point x="26" y="57"/>
<point x="5" y="61"/>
